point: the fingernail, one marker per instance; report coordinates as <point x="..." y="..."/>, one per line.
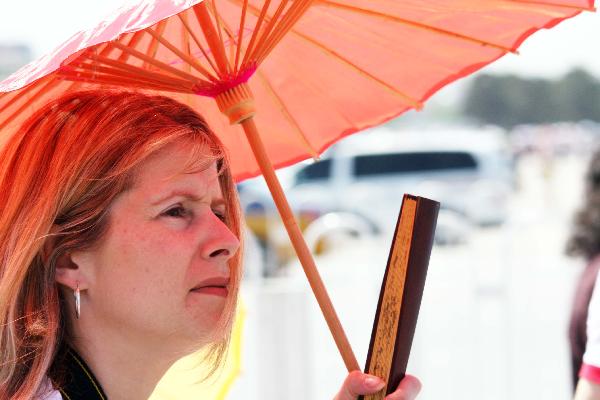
<point x="375" y="383"/>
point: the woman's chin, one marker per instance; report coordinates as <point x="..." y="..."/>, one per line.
<point x="208" y="315"/>
<point x="207" y="323"/>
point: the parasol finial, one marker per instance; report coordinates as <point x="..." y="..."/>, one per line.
<point x="237" y="103"/>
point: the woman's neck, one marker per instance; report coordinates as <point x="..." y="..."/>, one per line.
<point x="125" y="370"/>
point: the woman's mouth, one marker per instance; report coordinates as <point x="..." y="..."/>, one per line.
<point x="215" y="286"/>
<point x="212" y="290"/>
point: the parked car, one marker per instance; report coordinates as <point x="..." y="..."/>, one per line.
<point x="366" y="175"/>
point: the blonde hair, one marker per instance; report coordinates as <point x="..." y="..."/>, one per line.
<point x="58" y="176"/>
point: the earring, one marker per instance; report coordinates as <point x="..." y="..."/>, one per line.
<point x="77" y="296"/>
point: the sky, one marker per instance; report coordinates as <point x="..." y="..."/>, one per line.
<point x="553" y="52"/>
<point x="548" y="53"/>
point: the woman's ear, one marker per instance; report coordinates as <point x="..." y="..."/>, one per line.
<point x="69" y="273"/>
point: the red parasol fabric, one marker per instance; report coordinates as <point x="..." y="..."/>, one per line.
<point x="343" y="66"/>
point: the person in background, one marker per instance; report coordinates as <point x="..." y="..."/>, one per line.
<point x="588" y="386"/>
<point x="585" y="242"/>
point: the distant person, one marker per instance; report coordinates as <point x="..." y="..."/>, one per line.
<point x="588" y="387"/>
<point x="585" y="242"/>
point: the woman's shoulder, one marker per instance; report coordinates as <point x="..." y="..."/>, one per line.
<point x="47" y="392"/>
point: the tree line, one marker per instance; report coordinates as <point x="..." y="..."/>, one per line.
<point x="509" y="100"/>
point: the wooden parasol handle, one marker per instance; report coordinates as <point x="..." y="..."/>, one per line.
<point x="304" y="254"/>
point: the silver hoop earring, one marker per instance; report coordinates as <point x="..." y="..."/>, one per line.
<point x="77" y="296"/>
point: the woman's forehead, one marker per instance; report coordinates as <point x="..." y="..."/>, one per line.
<point x="178" y="157"/>
<point x="177" y="166"/>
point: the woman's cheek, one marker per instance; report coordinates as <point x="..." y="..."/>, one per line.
<point x="156" y="244"/>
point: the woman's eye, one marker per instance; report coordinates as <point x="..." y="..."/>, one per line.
<point x="176" y="212"/>
<point x="220" y="214"/>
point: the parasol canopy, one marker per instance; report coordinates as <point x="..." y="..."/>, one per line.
<point x="320" y="70"/>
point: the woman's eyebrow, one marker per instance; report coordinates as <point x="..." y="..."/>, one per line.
<point x="188" y="196"/>
<point x="176" y="193"/>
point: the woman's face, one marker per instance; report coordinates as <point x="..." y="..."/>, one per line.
<point x="161" y="270"/>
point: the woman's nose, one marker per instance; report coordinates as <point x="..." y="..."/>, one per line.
<point x="220" y="242"/>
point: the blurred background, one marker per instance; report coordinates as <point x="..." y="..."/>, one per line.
<point x="505" y="152"/>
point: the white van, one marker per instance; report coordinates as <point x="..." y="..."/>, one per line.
<point x="366" y="175"/>
<point x="469" y="172"/>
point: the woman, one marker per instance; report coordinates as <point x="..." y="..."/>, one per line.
<point x="585" y="242"/>
<point x="588" y="386"/>
<point x="119" y="249"/>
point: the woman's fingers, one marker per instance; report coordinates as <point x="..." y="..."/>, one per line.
<point x="357" y="383"/>
<point x="408" y="389"/>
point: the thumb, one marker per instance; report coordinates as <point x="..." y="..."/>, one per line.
<point x="357" y="383"/>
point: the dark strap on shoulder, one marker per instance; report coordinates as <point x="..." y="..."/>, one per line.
<point x="79" y="381"/>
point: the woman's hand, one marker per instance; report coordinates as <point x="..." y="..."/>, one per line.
<point x="358" y="383"/>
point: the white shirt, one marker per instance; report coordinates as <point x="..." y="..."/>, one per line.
<point x="47" y="392"/>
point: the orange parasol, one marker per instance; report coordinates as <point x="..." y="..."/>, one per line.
<point x="307" y="72"/>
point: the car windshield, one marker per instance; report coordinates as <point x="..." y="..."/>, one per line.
<point x="401" y="163"/>
<point x="318" y="171"/>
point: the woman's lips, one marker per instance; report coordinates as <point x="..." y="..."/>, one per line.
<point x="215" y="286"/>
<point x="212" y="290"/>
